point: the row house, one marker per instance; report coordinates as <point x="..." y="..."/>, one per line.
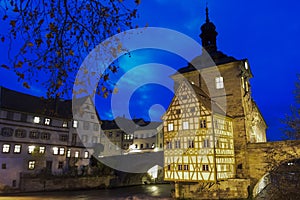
<point x="122" y="135"/>
<point x="43" y="136"/>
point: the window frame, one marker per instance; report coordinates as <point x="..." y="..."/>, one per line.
<point x="36" y="120"/>
<point x="86" y="154"/>
<point x="179" y="167"/>
<point x="34" y="134"/>
<point x="186" y="167"/>
<point x="170" y="126"/>
<point x="31" y="164"/>
<point x="47" y="121"/>
<point x="68" y="154"/>
<point x="6" y="148"/>
<point x="8" y="131"/>
<point x="55" y="150"/>
<point x="60" y="165"/>
<point x="42" y="149"/>
<point x="20" y="148"/>
<point x="206" y="143"/>
<point x="76" y="154"/>
<point x="75" y="124"/>
<point x="191" y="143"/>
<point x="61" y="151"/>
<point x="31" y="149"/>
<point x="20" y="133"/>
<point x="185" y="125"/>
<point x="86" y="125"/>
<point x="205" y="168"/>
<point x="45" y="136"/>
<point x="219" y="81"/>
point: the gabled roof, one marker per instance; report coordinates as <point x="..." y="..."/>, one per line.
<point x="202" y="97"/>
<point x="149" y="126"/>
<point x="17" y="101"/>
<point x="127" y="125"/>
<point x="206" y="100"/>
<point x="207" y="60"/>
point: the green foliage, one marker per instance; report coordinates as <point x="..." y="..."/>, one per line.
<point x="98" y="168"/>
<point x="53" y="37"/>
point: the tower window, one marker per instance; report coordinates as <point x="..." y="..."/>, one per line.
<point x="246" y="65"/>
<point x="219" y="82"/>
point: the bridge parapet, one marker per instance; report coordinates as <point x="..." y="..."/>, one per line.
<point x="268" y="156"/>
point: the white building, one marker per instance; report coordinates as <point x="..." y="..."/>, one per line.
<point x="39" y="136"/>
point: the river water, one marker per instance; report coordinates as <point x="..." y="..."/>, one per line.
<point x="147" y="192"/>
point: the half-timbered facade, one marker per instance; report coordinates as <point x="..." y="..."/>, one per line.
<point x="210" y="121"/>
<point x="198" y="139"/>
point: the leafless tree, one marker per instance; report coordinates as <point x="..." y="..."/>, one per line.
<point x="52" y="37"/>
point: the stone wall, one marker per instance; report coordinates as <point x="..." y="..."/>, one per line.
<point x="229" y="189"/>
<point x="264" y="157"/>
<point x="29" y="184"/>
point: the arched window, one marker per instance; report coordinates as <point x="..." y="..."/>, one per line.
<point x="20" y="133"/>
<point x="7" y="132"/>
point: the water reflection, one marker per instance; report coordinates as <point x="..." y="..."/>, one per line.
<point x="149" y="192"/>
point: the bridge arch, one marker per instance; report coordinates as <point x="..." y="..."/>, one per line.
<point x="283" y="181"/>
<point x="261" y="184"/>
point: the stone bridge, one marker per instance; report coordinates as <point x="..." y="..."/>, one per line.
<point x="264" y="158"/>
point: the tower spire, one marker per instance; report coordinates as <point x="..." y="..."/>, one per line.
<point x="206" y="9"/>
<point x="208" y="34"/>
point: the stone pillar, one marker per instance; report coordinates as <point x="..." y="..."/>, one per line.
<point x="177" y="190"/>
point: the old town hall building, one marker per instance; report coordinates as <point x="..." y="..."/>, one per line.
<point x="209" y="122"/>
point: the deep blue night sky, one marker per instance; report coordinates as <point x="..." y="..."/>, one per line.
<point x="265" y="32"/>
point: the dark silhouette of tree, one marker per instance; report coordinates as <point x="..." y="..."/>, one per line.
<point x="292" y="121"/>
<point x="53" y="37"/>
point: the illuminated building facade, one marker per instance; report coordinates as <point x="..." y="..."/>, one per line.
<point x="43" y="137"/>
<point x="210" y="121"/>
<point x="198" y="142"/>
